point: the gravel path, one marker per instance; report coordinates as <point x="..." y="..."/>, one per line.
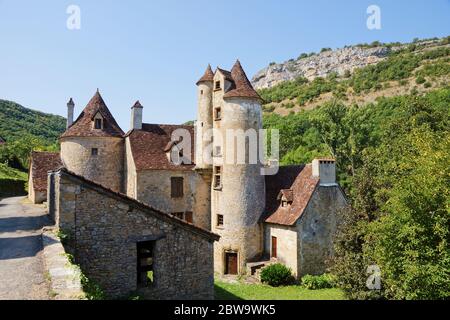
<point x="21" y="265"/>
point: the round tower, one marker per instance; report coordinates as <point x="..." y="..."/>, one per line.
<point x="238" y="193"/>
<point x="93" y="146"/>
<point x="204" y="124"/>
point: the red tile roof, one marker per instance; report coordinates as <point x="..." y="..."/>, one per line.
<point x="41" y="164"/>
<point x="83" y="126"/>
<point x="149" y="146"/>
<point x="207" y="76"/>
<point x="302" y="184"/>
<point x="242" y="86"/>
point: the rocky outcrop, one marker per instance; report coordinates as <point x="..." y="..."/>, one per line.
<point x="320" y="65"/>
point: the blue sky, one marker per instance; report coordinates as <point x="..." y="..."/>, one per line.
<point x="155" y="51"/>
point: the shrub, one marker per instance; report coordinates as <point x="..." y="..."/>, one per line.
<point x="323" y="281"/>
<point x="276" y="275"/>
<point x="420" y="80"/>
<point x="427" y="85"/>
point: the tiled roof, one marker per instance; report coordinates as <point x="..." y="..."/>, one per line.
<point x="41" y="164"/>
<point x="300" y="181"/>
<point x="139" y="205"/>
<point x="208" y="76"/>
<point x="242" y="86"/>
<point x="149" y="146"/>
<point x="83" y="126"/>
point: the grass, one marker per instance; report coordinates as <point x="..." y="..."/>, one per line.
<point x="10" y="173"/>
<point x="241" y="291"/>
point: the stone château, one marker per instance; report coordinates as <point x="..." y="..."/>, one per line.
<point x="118" y="192"/>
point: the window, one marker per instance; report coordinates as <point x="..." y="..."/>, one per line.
<point x="218" y="151"/>
<point x="186" y="216"/>
<point x="220" y="220"/>
<point x="217" y="86"/>
<point x="179" y="215"/>
<point x="217" y="177"/>
<point x="176" y="186"/>
<point x="94" y="151"/>
<point x="201" y="91"/>
<point x="284" y="203"/>
<point x="98" y="124"/>
<point x="145" y="262"/>
<point x="217" y="113"/>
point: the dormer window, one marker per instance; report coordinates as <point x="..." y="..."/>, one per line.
<point x="217" y="85"/>
<point x="286" y="196"/>
<point x="98" y="123"/>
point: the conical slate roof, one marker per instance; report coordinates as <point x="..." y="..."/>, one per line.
<point x="242" y="86"/>
<point x="208" y="76"/>
<point x="83" y="126"/>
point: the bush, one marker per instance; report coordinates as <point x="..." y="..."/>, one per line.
<point x="427" y="85"/>
<point x="420" y="80"/>
<point x="277" y="275"/>
<point x="323" y="281"/>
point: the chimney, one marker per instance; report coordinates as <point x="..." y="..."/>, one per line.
<point x="325" y="170"/>
<point x="136" y="116"/>
<point x="70" y="108"/>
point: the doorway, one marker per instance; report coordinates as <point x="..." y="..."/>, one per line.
<point x="231" y="263"/>
<point x="274" y="247"/>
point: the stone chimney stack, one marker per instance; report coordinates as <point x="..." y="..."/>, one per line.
<point x="70" y="109"/>
<point x="325" y="170"/>
<point x="136" y="116"/>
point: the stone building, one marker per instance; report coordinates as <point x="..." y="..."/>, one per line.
<point x="126" y="247"/>
<point x="289" y="217"/>
<point x="40" y="164"/>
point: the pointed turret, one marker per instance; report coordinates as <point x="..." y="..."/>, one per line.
<point x="208" y="76"/>
<point x="243" y="88"/>
<point x="84" y="124"/>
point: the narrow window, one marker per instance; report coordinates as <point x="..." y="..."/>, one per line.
<point x="284" y="203"/>
<point x="217" y="177"/>
<point x="176" y="187"/>
<point x="201" y="91"/>
<point x="145" y="262"/>
<point x="94" y="151"/>
<point x="218" y="151"/>
<point x="98" y="123"/>
<point x="217" y="87"/>
<point x="217" y="113"/>
<point x="220" y="220"/>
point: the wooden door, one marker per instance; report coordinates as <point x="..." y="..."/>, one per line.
<point x="274" y="247"/>
<point x="231" y="263"/>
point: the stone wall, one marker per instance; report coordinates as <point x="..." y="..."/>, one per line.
<point x="106" y="229"/>
<point x="317" y="228"/>
<point x="106" y="168"/>
<point x="286" y="244"/>
<point x="154" y="189"/>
